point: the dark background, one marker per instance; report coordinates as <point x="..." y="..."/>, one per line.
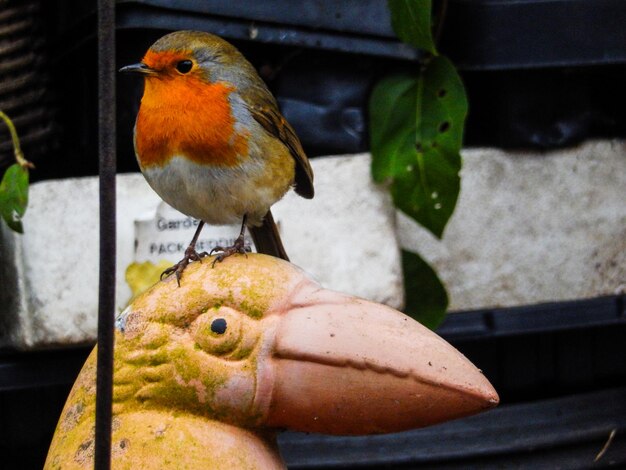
<point x="539" y="75"/>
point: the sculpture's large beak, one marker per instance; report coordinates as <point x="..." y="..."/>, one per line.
<point x="342" y="365"/>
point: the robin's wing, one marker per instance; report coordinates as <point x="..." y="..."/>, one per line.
<point x="265" y="112"/>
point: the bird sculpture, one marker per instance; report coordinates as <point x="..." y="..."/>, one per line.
<point x="206" y="373"/>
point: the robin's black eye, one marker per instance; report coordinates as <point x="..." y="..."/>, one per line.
<point x="218" y="326"/>
<point x="184" y="66"/>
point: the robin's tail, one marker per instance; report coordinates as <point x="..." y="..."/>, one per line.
<point x="266" y="238"/>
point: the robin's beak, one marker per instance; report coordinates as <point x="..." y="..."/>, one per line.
<point x="140" y="68"/>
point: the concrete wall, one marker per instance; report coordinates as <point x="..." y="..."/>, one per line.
<point x="48" y="293"/>
<point x="529" y="228"/>
<point x="532" y="227"/>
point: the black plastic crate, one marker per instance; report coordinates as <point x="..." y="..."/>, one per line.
<point x="478" y="34"/>
<point x="321" y="58"/>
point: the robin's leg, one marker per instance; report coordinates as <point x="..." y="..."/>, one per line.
<point x="238" y="246"/>
<point x="190" y="255"/>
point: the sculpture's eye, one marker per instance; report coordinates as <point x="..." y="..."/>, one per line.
<point x="219" y="326"/>
<point x="221" y="331"/>
<point x="184" y="66"/>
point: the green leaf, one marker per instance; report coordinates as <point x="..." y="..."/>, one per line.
<point x="392" y="107"/>
<point x="426" y="296"/>
<point x="416" y="136"/>
<point x="411" y="21"/>
<point x="14" y="196"/>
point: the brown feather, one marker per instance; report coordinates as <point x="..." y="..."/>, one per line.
<point x="265" y="112"/>
<point x="266" y="238"/>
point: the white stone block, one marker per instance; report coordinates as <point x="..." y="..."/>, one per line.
<point x="48" y="295"/>
<point x="54" y="264"/>
<point x="532" y="227"/>
<point x="347" y="237"/>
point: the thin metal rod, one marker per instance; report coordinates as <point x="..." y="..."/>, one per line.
<point x="106" y="292"/>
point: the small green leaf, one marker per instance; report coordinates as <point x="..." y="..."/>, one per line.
<point x="426" y="297"/>
<point x="416" y="137"/>
<point x="411" y="21"/>
<point x="14" y="196"/>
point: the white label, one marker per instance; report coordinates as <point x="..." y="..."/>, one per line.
<point x="168" y="234"/>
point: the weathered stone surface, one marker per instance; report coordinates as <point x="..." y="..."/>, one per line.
<point x="54" y="264"/>
<point x="347" y="238"/>
<point x="532" y="227"/>
<point x="50" y="277"/>
<point x="528" y="228"/>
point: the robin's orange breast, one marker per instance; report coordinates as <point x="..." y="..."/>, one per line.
<point x="190" y="117"/>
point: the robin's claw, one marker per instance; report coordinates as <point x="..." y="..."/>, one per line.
<point x="167" y="272"/>
<point x="238" y="247"/>
<point x="219" y="258"/>
<point x="195" y="256"/>
<point x="215" y="250"/>
<point x="190" y="255"/>
<point x="177" y="269"/>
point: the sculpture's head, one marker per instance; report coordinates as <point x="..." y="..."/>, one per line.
<point x="256" y="343"/>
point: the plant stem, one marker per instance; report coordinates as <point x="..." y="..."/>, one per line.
<point x="441" y="15"/>
<point x="17" y="150"/>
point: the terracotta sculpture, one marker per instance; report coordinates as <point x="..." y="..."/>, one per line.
<point x="206" y="373"/>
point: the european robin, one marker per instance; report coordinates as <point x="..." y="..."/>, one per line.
<point x="211" y="142"/>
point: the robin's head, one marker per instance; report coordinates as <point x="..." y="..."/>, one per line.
<point x="193" y="55"/>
